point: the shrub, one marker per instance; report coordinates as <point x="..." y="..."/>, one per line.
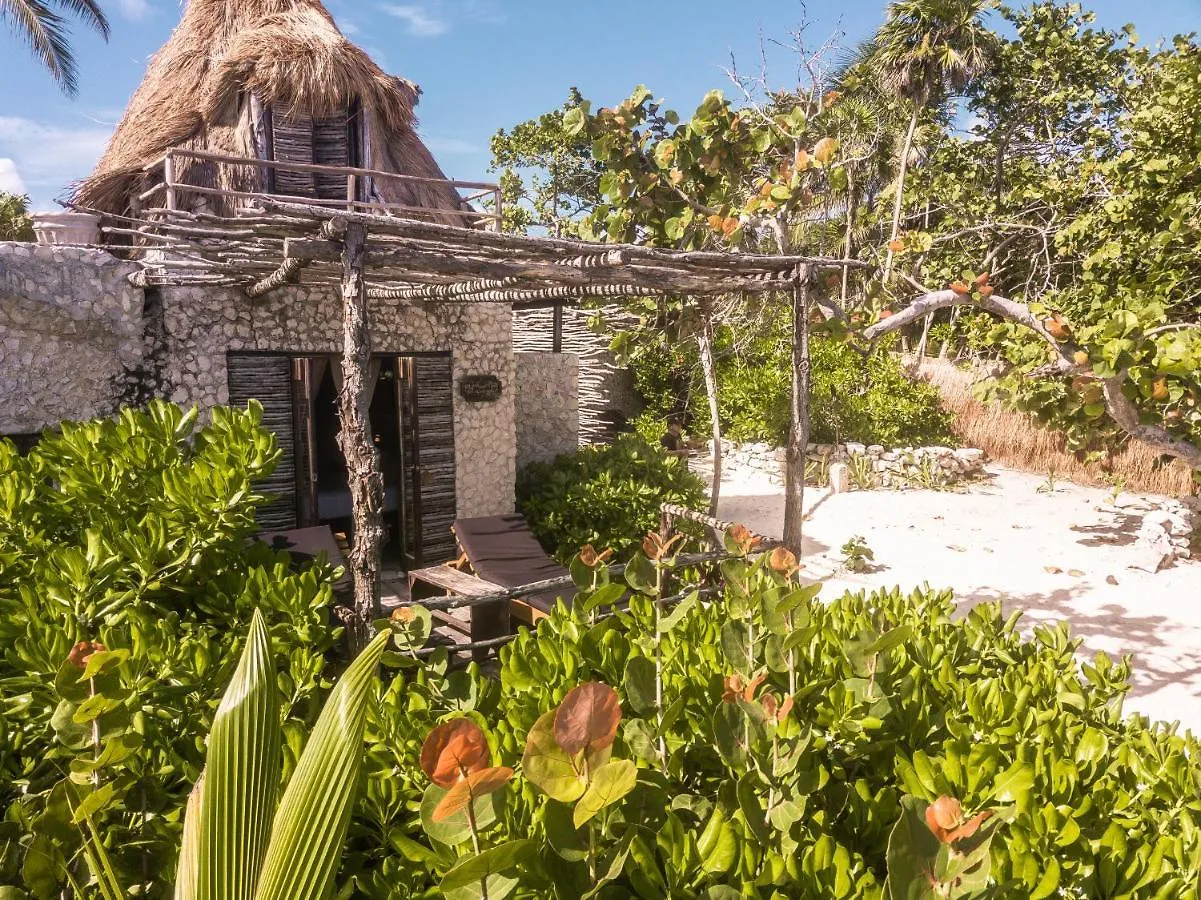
<point x="604" y="495"/>
<point x="15" y="222"/>
<point x="870" y="400"/>
<point x="132" y="534"/>
<point x="772" y="745"/>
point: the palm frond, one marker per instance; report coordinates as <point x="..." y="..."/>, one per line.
<point x="46" y="32"/>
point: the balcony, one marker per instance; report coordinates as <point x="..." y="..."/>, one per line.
<point x="176" y="192"/>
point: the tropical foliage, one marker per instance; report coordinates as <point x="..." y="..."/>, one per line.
<point x="854" y="397"/>
<point x="1054" y="235"/>
<point x="726" y="734"/>
<point x="750" y="740"/>
<point x="15" y="221"/>
<point x="604" y="495"/>
<point x="126" y="578"/>
<point x="44" y="27"/>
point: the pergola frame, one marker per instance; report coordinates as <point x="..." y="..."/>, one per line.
<point x="367" y="256"/>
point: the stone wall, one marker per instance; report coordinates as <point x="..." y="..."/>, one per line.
<point x="873" y="466"/>
<point x="201" y="325"/>
<point x="70" y="335"/>
<point x="547" y="406"/>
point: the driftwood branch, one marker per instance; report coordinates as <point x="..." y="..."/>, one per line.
<point x="366" y="479"/>
<point x="1119" y="407"/>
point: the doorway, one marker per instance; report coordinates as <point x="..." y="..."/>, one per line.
<point x="412" y="423"/>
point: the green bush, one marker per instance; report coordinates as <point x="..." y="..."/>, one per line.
<point x="771" y="745"/>
<point x="716" y="786"/>
<point x="869" y="400"/>
<point x="604" y="495"/>
<point x="134" y="534"/>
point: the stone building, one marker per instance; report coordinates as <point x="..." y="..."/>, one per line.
<point x="265" y="98"/>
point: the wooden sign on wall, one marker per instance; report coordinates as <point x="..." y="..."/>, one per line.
<point x="480" y="388"/>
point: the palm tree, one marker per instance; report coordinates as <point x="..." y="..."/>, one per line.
<point x="45" y="30"/>
<point x="926" y="50"/>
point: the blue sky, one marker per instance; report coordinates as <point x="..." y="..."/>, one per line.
<point x="482" y="64"/>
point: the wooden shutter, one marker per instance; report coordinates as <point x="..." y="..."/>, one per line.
<point x="268" y="379"/>
<point x="323" y="142"/>
<point x="292" y="141"/>
<point x="429" y="482"/>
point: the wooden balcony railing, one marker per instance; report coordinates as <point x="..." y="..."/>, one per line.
<point x="171" y="188"/>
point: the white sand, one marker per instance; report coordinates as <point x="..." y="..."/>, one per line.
<point x="996" y="541"/>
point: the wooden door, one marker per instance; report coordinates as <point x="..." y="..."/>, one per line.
<point x="268" y="379"/>
<point x="429" y="498"/>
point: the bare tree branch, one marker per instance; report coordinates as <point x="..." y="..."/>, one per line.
<point x="1119" y="407"/>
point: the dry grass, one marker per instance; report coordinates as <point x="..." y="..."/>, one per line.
<point x="1017" y="440"/>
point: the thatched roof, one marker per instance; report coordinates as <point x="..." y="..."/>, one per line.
<point x="292" y="56"/>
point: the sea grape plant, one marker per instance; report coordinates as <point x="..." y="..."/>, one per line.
<point x="783" y="746"/>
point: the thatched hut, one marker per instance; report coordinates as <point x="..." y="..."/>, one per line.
<point x="270" y="80"/>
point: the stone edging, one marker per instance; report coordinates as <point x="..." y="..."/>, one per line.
<point x="870" y="466"/>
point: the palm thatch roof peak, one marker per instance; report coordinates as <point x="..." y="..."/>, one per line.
<point x="289" y="53"/>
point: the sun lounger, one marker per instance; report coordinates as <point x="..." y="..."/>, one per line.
<point x="502" y="550"/>
<point x="502" y="554"/>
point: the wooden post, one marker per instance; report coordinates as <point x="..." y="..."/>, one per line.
<point x="355" y="439"/>
<point x="556" y="328"/>
<point x="798" y="433"/>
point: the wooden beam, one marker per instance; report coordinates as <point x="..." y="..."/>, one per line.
<point x="287" y="272"/>
<point x="452" y="234"/>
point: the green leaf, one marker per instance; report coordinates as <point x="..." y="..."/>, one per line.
<point x="1013" y="786"/>
<point x="310" y="826"/>
<point x="456" y="829"/>
<point x="718" y="844"/>
<point x="735" y="643"/>
<point x="912" y="851"/>
<point x="562" y="834"/>
<point x="495" y="887"/>
<point x="608" y="785"/>
<point x="94" y="802"/>
<point x="547" y="766"/>
<point x="683" y="608"/>
<point x="890" y="639"/>
<point x="493" y="861"/>
<point x="639" y="684"/>
<point x="241" y="776"/>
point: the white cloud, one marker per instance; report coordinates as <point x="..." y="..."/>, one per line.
<point x="420" y="21"/>
<point x="134" y="10"/>
<point x="10" y="178"/>
<point x="449" y="145"/>
<point x="51" y="156"/>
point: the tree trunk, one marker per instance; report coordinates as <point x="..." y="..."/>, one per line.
<point x="709" y="368"/>
<point x="363" y="471"/>
<point x="903" y="169"/>
<point x="798" y="432"/>
<point x="848" y="240"/>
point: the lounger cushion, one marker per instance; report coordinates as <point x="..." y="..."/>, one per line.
<point x="503" y="550"/>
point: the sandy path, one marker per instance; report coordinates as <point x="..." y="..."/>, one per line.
<point x="996" y="542"/>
